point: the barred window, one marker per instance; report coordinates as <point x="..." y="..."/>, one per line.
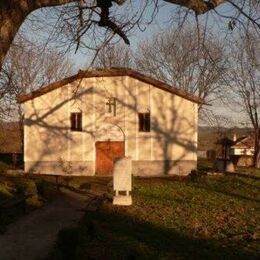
<point x="76" y="121"/>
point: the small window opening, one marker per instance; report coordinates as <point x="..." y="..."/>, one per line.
<point x="76" y="121"/>
<point x="144" y="122"/>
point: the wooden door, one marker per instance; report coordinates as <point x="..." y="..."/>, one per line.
<point x="106" y="152"/>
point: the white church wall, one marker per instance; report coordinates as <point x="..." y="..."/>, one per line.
<point x="173" y="135"/>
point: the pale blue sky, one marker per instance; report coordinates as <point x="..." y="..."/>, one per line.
<point x="215" y="24"/>
<point x="161" y="22"/>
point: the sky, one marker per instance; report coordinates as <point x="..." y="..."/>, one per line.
<point x="215" y="24"/>
<point x="162" y="22"/>
<point x="159" y="24"/>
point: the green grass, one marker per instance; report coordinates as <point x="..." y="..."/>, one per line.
<point x="251" y="171"/>
<point x="212" y="218"/>
<point x="205" y="165"/>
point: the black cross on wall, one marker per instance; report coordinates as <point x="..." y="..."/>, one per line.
<point x="111" y="103"/>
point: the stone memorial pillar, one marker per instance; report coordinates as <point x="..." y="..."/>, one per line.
<point x="122" y="181"/>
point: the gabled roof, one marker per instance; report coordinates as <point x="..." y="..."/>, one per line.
<point x="244" y="142"/>
<point x="110" y="72"/>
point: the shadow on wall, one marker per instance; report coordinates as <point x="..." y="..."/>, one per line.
<point x="49" y="138"/>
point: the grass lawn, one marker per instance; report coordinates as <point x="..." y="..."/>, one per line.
<point x="215" y="217"/>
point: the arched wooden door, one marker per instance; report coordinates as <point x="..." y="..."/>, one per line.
<point x="106" y="152"/>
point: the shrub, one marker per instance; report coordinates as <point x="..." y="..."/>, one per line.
<point x="21" y="188"/>
<point x="4" y="167"/>
<point x="5" y="190"/>
<point x="196" y="175"/>
<point x="28" y="188"/>
<point x="34" y="201"/>
<point x="40" y="187"/>
<point x="46" y="190"/>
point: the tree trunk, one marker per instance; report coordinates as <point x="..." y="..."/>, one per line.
<point x="13" y="14"/>
<point x="256" y="158"/>
<point x="11" y="18"/>
<point x="21" y="128"/>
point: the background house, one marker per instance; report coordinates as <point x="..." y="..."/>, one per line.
<point x="79" y="125"/>
<point x="242" y="151"/>
<point x="239" y="150"/>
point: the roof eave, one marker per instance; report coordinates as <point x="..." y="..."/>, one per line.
<point x="111" y="73"/>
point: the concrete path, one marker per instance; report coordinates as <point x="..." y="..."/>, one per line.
<point x="33" y="236"/>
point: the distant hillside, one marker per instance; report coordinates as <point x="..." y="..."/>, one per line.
<point x="10" y="141"/>
<point x="10" y="137"/>
<point x="207" y="136"/>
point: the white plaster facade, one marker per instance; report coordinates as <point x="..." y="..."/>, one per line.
<point x="50" y="147"/>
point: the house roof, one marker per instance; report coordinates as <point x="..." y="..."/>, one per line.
<point x="110" y="72"/>
<point x="244" y="142"/>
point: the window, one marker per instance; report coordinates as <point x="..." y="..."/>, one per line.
<point x="144" y="122"/>
<point x="76" y="121"/>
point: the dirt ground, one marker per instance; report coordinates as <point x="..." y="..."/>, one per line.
<point x="34" y="235"/>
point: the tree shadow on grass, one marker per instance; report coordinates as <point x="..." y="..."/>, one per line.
<point x="115" y="235"/>
<point x="244" y="175"/>
<point x="233" y="191"/>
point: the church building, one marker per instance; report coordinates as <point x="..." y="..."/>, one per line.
<point x="81" y="124"/>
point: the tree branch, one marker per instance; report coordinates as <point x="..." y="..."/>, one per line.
<point x="198" y="6"/>
<point x="46" y="3"/>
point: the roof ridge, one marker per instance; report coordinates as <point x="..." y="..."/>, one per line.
<point x="110" y="72"/>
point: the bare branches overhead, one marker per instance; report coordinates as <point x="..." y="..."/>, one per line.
<point x="198" y="6"/>
<point x="14" y="12"/>
<point x="114" y="56"/>
<point x="80" y="18"/>
<point x="105" y="21"/>
<point x="180" y="59"/>
<point x="25" y="69"/>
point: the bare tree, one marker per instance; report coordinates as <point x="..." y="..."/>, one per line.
<point x="244" y="78"/>
<point x="114" y="56"/>
<point x="79" y="16"/>
<point x="26" y="70"/>
<point x="220" y="124"/>
<point x="75" y="19"/>
<point x="182" y="60"/>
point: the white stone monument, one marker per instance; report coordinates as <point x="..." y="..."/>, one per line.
<point x="122" y="181"/>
